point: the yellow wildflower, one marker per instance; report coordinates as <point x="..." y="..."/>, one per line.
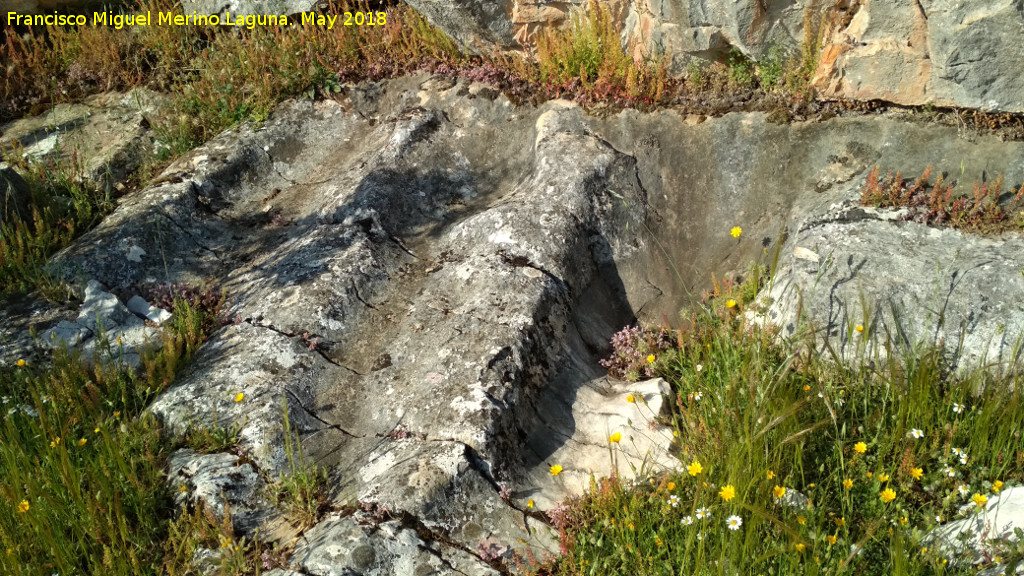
<point x="55" y="442"/>
<point x="730" y="303"/>
<point x="801" y="520"/>
<point x="651" y="358"/>
<point x="239" y="397"/>
<point x="847" y="483"/>
<point x="887" y="495"/>
<point x="807" y="387"/>
<point x="831" y="539"/>
<point x="979" y="500"/>
<point x="671" y="486"/>
<point x="800" y="547"/>
<point x="615" y="438"/>
<point x="630" y="399"/>
<point x="869" y="474"/>
<point x="770" y="474"/>
<point x="23" y="507"/>
<point x="529" y="504"/>
<point x="694" y="468"/>
<point x="727" y="492"/>
<point x="21" y="363"/>
<point x="736" y="231"/>
<point x="183" y="488"/>
<point x="883" y="477"/>
<point x="997" y="486"/>
<point x="916" y="473"/>
<point x="840" y="521"/>
<point x="860" y="447"/>
<point x="779" y="491"/>
<point x="117" y="414"/>
<point x="96" y="431"/>
<point x="859" y="328"/>
<point x="82" y="441"/>
<point x="555" y="470"/>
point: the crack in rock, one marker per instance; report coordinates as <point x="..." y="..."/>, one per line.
<point x="320" y="352"/>
<point x="313" y="415"/>
<point x="189" y="234"/>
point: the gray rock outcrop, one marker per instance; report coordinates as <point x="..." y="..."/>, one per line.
<point x="941" y="52"/>
<point x="410" y="278"/>
<point x="944" y="52"/>
<point x="903" y="284"/>
<point x="425" y="276"/>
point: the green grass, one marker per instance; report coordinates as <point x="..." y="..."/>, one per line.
<point x="62" y="209"/>
<point x="302" y="491"/>
<point x="761" y="416"/>
<point x="82" y="466"/>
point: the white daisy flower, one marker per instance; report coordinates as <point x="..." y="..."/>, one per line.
<point x="699" y="367"/>
<point x="916" y="433"/>
<point x="687" y="520"/>
<point x="734" y="522"/>
<point x="697" y="396"/>
<point x="673" y="500"/>
<point x="958" y="408"/>
<point x="963" y="489"/>
<point x="950" y="472"/>
<point x="703" y="513"/>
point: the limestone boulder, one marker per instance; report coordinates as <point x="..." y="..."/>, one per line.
<point x="223" y="484"/>
<point x="688" y="29"/>
<point x="423" y="280"/>
<point x="905" y="284"/>
<point x="380" y="546"/>
<point x="942" y="52"/>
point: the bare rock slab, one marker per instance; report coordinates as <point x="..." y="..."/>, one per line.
<point x="361" y="544"/>
<point x="904" y="283"/>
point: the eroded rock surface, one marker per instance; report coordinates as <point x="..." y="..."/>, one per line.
<point x="423" y="278"/>
<point x="408" y="277"/>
